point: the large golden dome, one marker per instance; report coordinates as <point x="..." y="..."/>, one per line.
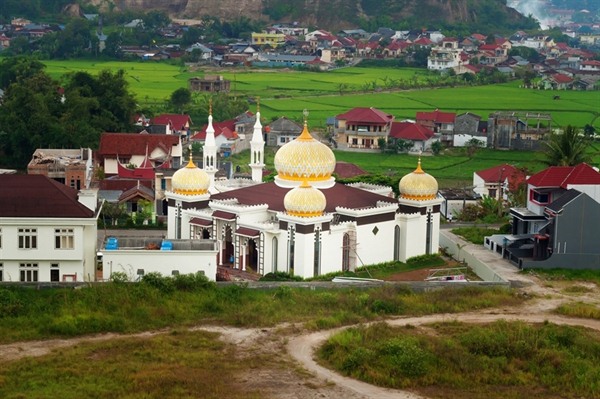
<point x="304" y="201"/>
<point x="304" y="159"/>
<point x="190" y="180"/>
<point x="418" y="185"/>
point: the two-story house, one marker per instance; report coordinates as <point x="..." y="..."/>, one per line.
<point x="442" y="123"/>
<point x="48" y="231"/>
<point x="496" y="181"/>
<point x="71" y="167"/>
<point x="558" y="228"/>
<point x="362" y="128"/>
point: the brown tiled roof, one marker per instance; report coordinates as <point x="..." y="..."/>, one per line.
<point x="126" y="144"/>
<point x="364" y="114"/>
<point x="272" y="195"/>
<point x="37" y="196"/>
<point x="346" y="170"/>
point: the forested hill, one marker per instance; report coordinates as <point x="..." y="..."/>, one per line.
<point x="476" y="15"/>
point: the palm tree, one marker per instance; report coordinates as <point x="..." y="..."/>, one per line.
<point x="566" y="149"/>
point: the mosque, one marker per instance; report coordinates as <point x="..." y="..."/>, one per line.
<point x="303" y="222"/>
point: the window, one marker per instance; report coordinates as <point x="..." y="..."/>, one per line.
<point x="28" y="271"/>
<point x="1" y="272"/>
<point x="163" y="184"/>
<point x="540" y="198"/>
<point x="64" y="239"/>
<point x="0" y="240"/>
<point x="27" y="238"/>
<point x="54" y="272"/>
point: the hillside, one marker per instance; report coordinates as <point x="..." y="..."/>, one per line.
<point x="335" y="14"/>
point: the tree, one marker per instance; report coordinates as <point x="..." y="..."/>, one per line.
<point x="436" y="147"/>
<point x="567" y="148"/>
<point x="180" y="98"/>
<point x="17" y="68"/>
<point x="472" y="146"/>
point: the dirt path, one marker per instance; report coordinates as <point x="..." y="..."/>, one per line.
<point x="297" y="375"/>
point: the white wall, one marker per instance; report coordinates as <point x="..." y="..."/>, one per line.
<point x="460" y="140"/>
<point x="375" y="248"/>
<point x="164" y="262"/>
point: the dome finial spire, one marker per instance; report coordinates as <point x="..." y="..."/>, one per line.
<point x="305" y="114"/>
<point x="210" y="106"/>
<point x="258" y="104"/>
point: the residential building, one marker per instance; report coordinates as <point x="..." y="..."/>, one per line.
<point x="73" y="168"/>
<point x="419" y="136"/>
<point x="282" y="131"/>
<point x="171" y="124"/>
<point x="362" y="128"/>
<point x="210" y="84"/>
<point x="446" y="55"/>
<point x="497" y="181"/>
<point x="48" y="231"/>
<point x="518" y="130"/>
<point x="558" y="228"/>
<point x="273" y="40"/>
<point x="133" y="148"/>
<point x="469" y="126"/>
<point x="442" y="123"/>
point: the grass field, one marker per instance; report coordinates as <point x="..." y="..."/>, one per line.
<point x="288" y="92"/>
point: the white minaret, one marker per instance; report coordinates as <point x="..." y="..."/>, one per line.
<point x="257" y="149"/>
<point x="209" y="151"/>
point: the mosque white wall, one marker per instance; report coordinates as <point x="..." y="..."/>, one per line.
<point x="331" y="251"/>
<point x="163" y="262"/>
<point x="375" y="248"/>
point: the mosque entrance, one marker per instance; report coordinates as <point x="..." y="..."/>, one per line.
<point x="252" y="255"/>
<point x="228" y="254"/>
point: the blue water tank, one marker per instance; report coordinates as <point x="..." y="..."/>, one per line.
<point x="112" y="243"/>
<point x="166" y="246"/>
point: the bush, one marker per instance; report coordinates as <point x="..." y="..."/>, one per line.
<point x="191" y="282"/>
<point x="280" y="276"/>
<point x="156" y="280"/>
<point x="10" y="304"/>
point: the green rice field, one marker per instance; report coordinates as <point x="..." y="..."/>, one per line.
<point x="287" y="93"/>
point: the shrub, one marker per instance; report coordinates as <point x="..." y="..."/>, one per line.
<point x="280" y="276"/>
<point x="119" y="277"/>
<point x="191" y="282"/>
<point x="10" y="303"/>
<point x="156" y="280"/>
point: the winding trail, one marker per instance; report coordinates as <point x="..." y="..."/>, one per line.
<point x="299" y="347"/>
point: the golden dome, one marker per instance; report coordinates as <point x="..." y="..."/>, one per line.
<point x="418" y="185"/>
<point x="304" y="159"/>
<point x="190" y="180"/>
<point x="304" y="201"/>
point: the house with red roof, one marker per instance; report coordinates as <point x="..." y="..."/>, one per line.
<point x="557" y="81"/>
<point x="438" y="121"/>
<point x="49" y="230"/>
<point x="420" y="136"/>
<point x="591" y="65"/>
<point x="559" y="226"/>
<point x="225" y="135"/>
<point x="497" y="181"/>
<point x="362" y="128"/>
<point x="173" y="123"/>
<point x="134" y="149"/>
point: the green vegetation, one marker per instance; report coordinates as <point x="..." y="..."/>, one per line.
<point x="456" y="360"/>
<point x="475" y="235"/>
<point x="289" y="92"/>
<point x="589" y="275"/>
<point x="182" y="364"/>
<point x="159" y="302"/>
<point x="384" y="270"/>
<point x="579" y="309"/>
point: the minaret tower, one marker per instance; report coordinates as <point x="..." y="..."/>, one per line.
<point x="257" y="149"/>
<point x="209" y="151"/>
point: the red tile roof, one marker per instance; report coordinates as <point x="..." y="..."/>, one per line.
<point x="502" y="173"/>
<point x="562" y="176"/>
<point x="225" y="128"/>
<point x="345" y="170"/>
<point x="423" y="41"/>
<point x="368" y="115"/>
<point x="436" y="116"/>
<point x="560" y="78"/>
<point x="410" y="131"/>
<point x="127" y="144"/>
<point x="37" y="196"/>
<point x="177" y="121"/>
<point x="337" y="196"/>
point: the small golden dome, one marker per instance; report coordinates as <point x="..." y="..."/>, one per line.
<point x="304" y="159"/>
<point x="304" y="201"/>
<point x="190" y="180"/>
<point x="418" y="185"/>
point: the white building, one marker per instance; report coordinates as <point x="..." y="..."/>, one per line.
<point x="304" y="222"/>
<point x="48" y="231"/>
